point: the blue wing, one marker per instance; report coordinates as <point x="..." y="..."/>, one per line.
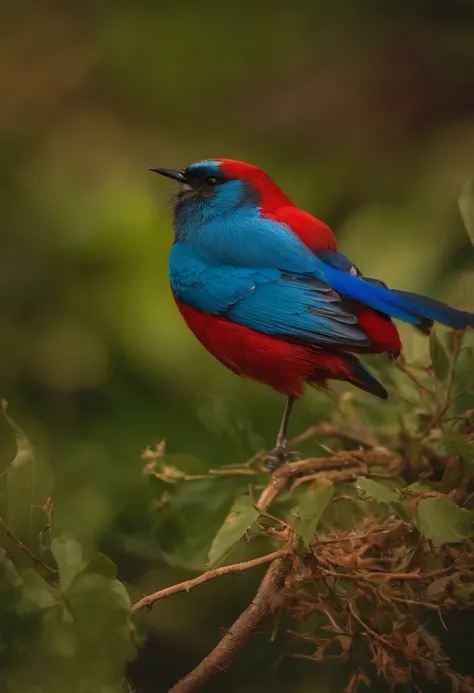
<point x="245" y="266"/>
<point x="409" y="307"/>
<point x="268" y="300"/>
<point x="420" y="311"/>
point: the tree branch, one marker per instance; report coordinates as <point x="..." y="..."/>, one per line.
<point x="268" y="599"/>
<point x="270" y="595"/>
<point x="188" y="585"/>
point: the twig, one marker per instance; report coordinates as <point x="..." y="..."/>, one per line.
<point x="458" y="337"/>
<point x="25" y="549"/>
<point x="411" y="602"/>
<point x="327" y="429"/>
<point x="268" y="599"/>
<point x="422" y="388"/>
<point x="444" y="408"/>
<point x="448" y="399"/>
<point x="282" y="574"/>
<point x="270" y="596"/>
<point x="188" y="585"/>
<point x="367" y="628"/>
<point x="366" y="577"/>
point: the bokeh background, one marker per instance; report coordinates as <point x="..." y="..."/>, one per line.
<point x="362" y="111"/>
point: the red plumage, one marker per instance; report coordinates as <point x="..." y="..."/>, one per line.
<point x="381" y="331"/>
<point x="281" y="365"/>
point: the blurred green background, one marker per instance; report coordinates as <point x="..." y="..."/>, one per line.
<point x="363" y="112"/>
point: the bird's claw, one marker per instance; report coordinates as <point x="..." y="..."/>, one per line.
<point x="278" y="456"/>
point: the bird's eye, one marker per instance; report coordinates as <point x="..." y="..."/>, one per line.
<point x="212" y="181"/>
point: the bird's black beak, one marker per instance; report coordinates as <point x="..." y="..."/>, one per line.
<point x="175" y="174"/>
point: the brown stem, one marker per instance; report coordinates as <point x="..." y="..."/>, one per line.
<point x="327" y="429"/>
<point x="449" y="398"/>
<point x="367" y="628"/>
<point x="23" y="547"/>
<point x="268" y="599"/>
<point x="270" y="595"/>
<point x="188" y="585"/>
<point x="444" y="408"/>
<point x="422" y="389"/>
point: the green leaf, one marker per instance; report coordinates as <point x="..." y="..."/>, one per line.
<point x="311" y="508"/>
<point x="121" y="596"/>
<point x="25" y="488"/>
<point x="451" y="339"/>
<point x="8" y="572"/>
<point x="241" y="517"/>
<point x="442" y="521"/>
<point x="67" y="552"/>
<point x="457" y="446"/>
<point x="58" y="636"/>
<point x="379" y="492"/>
<point x="8" y="446"/>
<point x="439" y="357"/>
<point x="466" y="207"/>
<point x="102" y="565"/>
<point x="37" y="594"/>
<point x="417" y="488"/>
<point x="187" y="524"/>
<point x="100" y="607"/>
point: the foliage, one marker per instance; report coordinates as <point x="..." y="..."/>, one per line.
<point x="65" y="620"/>
<point x="379" y="529"/>
<point x="95" y="360"/>
<point x="372" y="541"/>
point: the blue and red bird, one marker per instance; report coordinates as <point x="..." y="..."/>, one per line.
<point x="264" y="288"/>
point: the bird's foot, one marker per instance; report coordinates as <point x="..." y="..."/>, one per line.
<point x="279" y="455"/>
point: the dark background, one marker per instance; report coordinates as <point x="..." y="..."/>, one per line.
<point x="363" y="112"/>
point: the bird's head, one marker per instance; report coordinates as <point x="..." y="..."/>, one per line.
<point x="216" y="187"/>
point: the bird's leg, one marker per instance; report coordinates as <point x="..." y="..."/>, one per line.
<point x="279" y="454"/>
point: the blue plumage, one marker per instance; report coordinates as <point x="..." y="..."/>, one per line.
<point x="308" y="309"/>
<point x="405" y="306"/>
<point x="241" y="264"/>
<point x="294" y="308"/>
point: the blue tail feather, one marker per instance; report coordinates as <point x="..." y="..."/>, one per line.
<point x="403" y="305"/>
<point x="436" y="310"/>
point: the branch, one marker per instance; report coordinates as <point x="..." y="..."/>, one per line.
<point x="444" y="408"/>
<point x="268" y="599"/>
<point x="449" y="398"/>
<point x="188" y="585"/>
<point x="330" y="431"/>
<point x="23" y="547"/>
<point x="270" y="595"/>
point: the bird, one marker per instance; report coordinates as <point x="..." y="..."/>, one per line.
<point x="262" y="285"/>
